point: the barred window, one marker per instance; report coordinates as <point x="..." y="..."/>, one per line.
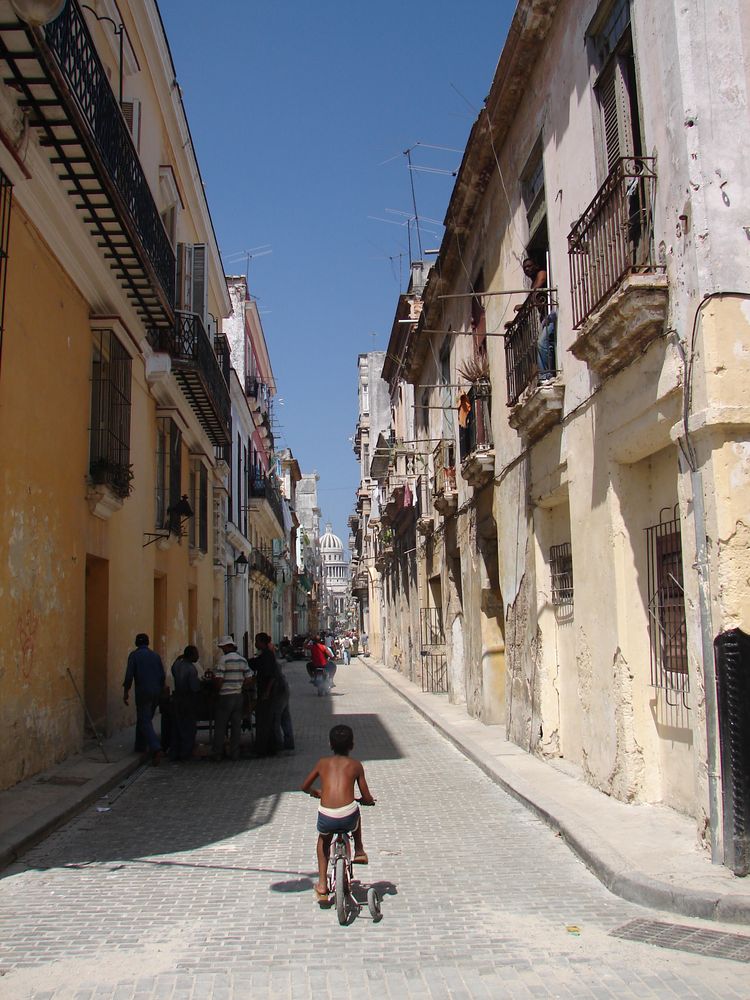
<point x="561" y="569"/>
<point x="168" y="472"/>
<point x="109" y="451"/>
<point x="666" y="603"/>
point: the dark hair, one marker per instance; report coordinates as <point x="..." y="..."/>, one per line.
<point x="341" y="739"/>
<point x="141" y="639"/>
<point x="191" y="653"/>
<point x="263" y="637"/>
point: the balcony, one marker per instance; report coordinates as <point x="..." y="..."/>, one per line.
<point x="534" y="394"/>
<point x="425" y="522"/>
<point x="475" y="439"/>
<point x="444" y="491"/>
<point x="258" y="395"/>
<point x="261" y="565"/>
<point x="264" y="489"/>
<point x="197" y="371"/>
<point x="65" y="90"/>
<point x="619" y="292"/>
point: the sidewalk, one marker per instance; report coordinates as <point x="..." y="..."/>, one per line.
<point x="34" y="808"/>
<point x="646" y="854"/>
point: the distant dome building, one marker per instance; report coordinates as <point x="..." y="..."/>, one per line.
<point x="335" y="572"/>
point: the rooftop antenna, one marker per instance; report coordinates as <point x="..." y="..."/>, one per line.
<point x="407" y="154"/>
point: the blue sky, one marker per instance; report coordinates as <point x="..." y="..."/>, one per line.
<point x="294" y="106"/>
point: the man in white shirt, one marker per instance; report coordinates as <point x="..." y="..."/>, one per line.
<point x="231" y="672"/>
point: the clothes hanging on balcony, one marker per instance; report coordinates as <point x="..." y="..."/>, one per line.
<point x="464" y="409"/>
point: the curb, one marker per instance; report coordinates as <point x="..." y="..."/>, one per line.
<point x="605" y="863"/>
<point x="24" y="835"/>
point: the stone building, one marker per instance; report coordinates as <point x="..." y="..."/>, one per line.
<point x="372" y="436"/>
<point x="114" y="380"/>
<point x="308" y="546"/>
<point x="584" y="534"/>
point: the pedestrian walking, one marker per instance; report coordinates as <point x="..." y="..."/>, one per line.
<point x="184" y="704"/>
<point x="346" y="649"/>
<point x="230" y="675"/>
<point x="363" y="641"/>
<point x="145" y="671"/>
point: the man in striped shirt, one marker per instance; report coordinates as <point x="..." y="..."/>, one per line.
<point x="231" y="673"/>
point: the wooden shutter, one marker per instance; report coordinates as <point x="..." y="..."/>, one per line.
<point x="184" y="278"/>
<point x="131" y="112"/>
<point x="617" y="125"/>
<point x="199" y="290"/>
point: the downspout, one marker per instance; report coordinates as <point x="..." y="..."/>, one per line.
<point x="713" y="759"/>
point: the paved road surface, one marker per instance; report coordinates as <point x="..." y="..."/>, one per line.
<point x="196" y="883"/>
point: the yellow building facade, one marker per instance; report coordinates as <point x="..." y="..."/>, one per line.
<point x="114" y="405"/>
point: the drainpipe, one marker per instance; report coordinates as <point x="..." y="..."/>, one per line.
<point x="704" y="599"/>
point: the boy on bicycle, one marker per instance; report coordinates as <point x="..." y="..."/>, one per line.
<point x="338" y="811"/>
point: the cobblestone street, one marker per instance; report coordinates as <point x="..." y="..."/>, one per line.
<point x="197" y="882"/>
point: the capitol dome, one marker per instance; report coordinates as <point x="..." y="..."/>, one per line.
<point x="330" y="543"/>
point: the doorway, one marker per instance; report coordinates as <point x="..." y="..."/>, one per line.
<point x="96" y="640"/>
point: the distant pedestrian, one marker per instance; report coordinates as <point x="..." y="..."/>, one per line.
<point x="230" y="675"/>
<point x="146" y="671"/>
<point x="347" y="649"/>
<point x="184" y="704"/>
<point x="364" y="640"/>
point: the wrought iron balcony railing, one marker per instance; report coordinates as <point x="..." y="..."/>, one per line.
<point x="477" y="434"/>
<point x="65" y="89"/>
<point x="197" y="370"/>
<point x="614" y="236"/>
<point x="257" y="389"/>
<point x="260" y="561"/>
<point x="530" y="348"/>
<point x="265" y="489"/>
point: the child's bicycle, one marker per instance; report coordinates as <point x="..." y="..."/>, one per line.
<point x="340" y="878"/>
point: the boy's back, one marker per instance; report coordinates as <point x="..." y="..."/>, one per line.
<point x="338" y="775"/>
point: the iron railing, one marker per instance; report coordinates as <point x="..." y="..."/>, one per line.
<point x="477" y="434"/>
<point x="69" y="41"/>
<point x="259" y="561"/>
<point x="666" y="604"/>
<point x="198" y="372"/>
<point x="444" y="465"/>
<point x="431" y="626"/>
<point x="614" y="236"/>
<point x="537" y="316"/>
<point x="265" y="489"/>
<point x="434" y="672"/>
<point x="256" y="388"/>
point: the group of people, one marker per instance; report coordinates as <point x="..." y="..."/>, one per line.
<point x="233" y="679"/>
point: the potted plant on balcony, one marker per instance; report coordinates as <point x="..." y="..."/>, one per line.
<point x="118" y="477"/>
<point x="476" y="371"/>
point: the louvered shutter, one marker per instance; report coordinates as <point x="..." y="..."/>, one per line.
<point x="199" y="290"/>
<point x="131" y="112"/>
<point x="617" y="125"/>
<point x="184" y="278"/>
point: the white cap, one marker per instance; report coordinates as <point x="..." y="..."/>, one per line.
<point x="226" y="640"/>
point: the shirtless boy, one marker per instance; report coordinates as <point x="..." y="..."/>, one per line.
<point x="338" y="809"/>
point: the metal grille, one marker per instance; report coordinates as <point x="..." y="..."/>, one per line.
<point x="109" y="455"/>
<point x="434" y="672"/>
<point x="613" y="237"/>
<point x="444" y="464"/>
<point x="431" y="620"/>
<point x="561" y="568"/>
<point x="666" y="604"/>
<point x="681" y="937"/>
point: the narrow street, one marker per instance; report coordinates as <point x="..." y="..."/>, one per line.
<point x="197" y="883"/>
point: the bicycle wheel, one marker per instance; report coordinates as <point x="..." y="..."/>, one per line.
<point x="373" y="903"/>
<point x="342" y="890"/>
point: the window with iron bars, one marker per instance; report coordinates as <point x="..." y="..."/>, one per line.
<point x="109" y="449"/>
<point x="198" y="524"/>
<point x="666" y="604"/>
<point x="168" y="473"/>
<point x="561" y="569"/>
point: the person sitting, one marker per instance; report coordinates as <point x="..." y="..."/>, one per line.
<point x="338" y="811"/>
